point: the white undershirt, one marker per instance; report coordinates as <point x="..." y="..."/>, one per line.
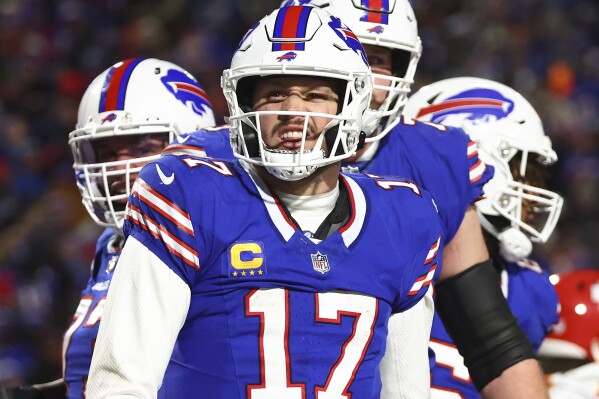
<point x="309" y="211"/>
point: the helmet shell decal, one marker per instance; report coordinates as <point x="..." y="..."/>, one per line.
<point x="348" y="37"/>
<point x="288" y="3"/>
<point x="108" y="118"/>
<point x="114" y="90"/>
<point x="474" y="105"/>
<point x="186" y="90"/>
<point x="376" y="5"/>
<point x="291" y="23"/>
<point x="376" y="30"/>
<point x="288" y="56"/>
<point x="378" y="11"/>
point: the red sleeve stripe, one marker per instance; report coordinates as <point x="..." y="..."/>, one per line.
<point x="423" y="281"/>
<point x="433" y="251"/>
<point x="160" y="204"/>
<point x="172" y="243"/>
<point x="472" y="149"/>
<point x="477" y="170"/>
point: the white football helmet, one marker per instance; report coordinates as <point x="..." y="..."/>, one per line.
<point x="298" y="41"/>
<point x="504" y="125"/>
<point x="391" y="24"/>
<point x="133" y="97"/>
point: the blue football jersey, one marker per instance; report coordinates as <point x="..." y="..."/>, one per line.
<point x="80" y="337"/>
<point x="272" y="312"/>
<point x="441" y="159"/>
<point x="533" y="300"/>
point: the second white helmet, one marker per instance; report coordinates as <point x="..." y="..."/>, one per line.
<point x="506" y="127"/>
<point x="137" y="96"/>
<point x="390" y="24"/>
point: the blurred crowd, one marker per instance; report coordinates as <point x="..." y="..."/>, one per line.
<point x="50" y="50"/>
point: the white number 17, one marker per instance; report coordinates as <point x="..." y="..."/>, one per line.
<point x="272" y="306"/>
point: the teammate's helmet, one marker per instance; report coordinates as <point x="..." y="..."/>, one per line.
<point x="300" y="41"/>
<point x="391" y="24"/>
<point x="133" y="97"/>
<point x="506" y="129"/>
<point x="576" y="335"/>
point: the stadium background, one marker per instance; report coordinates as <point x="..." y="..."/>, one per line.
<point x="50" y="50"/>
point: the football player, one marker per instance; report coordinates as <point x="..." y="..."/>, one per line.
<point x="272" y="276"/>
<point x="444" y="161"/>
<point x="517" y="209"/>
<point x="570" y="353"/>
<point x="126" y="117"/>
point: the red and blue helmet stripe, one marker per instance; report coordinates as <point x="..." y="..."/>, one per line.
<point x="475" y="103"/>
<point x="379" y="11"/>
<point x="114" y="89"/>
<point x="291" y="23"/>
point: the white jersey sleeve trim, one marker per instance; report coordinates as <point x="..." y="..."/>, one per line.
<point x="146" y="306"/>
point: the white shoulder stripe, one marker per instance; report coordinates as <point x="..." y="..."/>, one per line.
<point x="176" y="246"/>
<point x="472" y="149"/>
<point x="433" y="251"/>
<point x="423" y="281"/>
<point x="163" y="206"/>
<point x="476" y="171"/>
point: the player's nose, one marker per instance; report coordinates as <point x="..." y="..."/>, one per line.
<point x="294" y="102"/>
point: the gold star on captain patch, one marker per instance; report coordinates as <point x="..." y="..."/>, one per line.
<point x="243" y="273"/>
<point x="260" y="272"/>
<point x="252" y="272"/>
<point x="235" y="274"/>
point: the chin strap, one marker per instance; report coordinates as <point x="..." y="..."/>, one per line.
<point x="331" y="135"/>
<point x="514" y="245"/>
<point x="250" y="137"/>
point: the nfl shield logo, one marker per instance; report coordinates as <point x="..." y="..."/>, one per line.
<point x="320" y="262"/>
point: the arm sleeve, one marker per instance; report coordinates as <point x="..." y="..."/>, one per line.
<point x="480" y="322"/>
<point x="146" y="306"/>
<point x="405" y="366"/>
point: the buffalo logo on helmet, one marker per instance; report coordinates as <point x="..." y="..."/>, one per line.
<point x="376" y="29"/>
<point x="186" y="90"/>
<point x="348" y="37"/>
<point x="108" y="118"/>
<point x="288" y="56"/>
<point x="473" y="105"/>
